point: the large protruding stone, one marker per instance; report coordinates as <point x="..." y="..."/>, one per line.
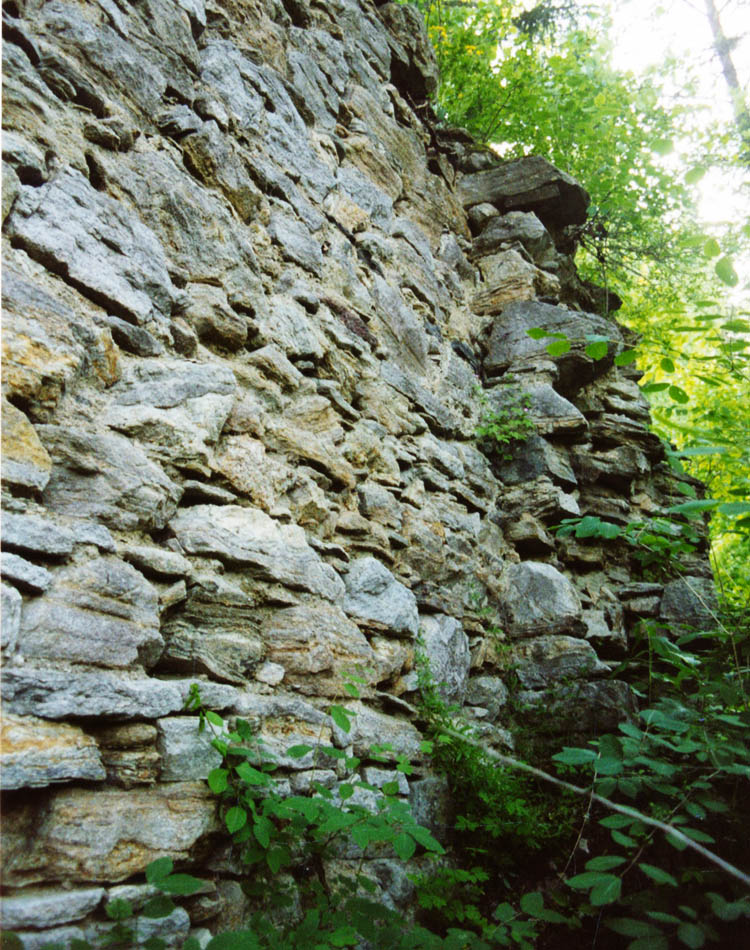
<point x="247" y="537"/>
<point x="102" y="612"/>
<point x="36" y="753"/>
<point x="539" y="600"/>
<point x="447" y="649"/>
<point x="96" y="244"/>
<point x="374" y="595"/>
<point x="529" y="184"/>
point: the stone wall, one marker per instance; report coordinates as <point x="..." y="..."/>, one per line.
<point x="249" y="292"/>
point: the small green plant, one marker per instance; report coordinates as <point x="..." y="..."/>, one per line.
<point x="504" y="425"/>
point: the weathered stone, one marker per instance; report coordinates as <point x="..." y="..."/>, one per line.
<point x="28" y="533"/>
<point x="177" y="407"/>
<point x="605" y="630"/>
<point x="247" y="537"/>
<point x="529" y="536"/>
<point x="511" y="345"/>
<point x="488" y="692"/>
<point x="23" y="573"/>
<point x="11" y="619"/>
<point x="215" y="632"/>
<point x="554" y="415"/>
<point x="213" y="320"/>
<point x="214" y="160"/>
<point x="157" y="561"/>
<point x="106" y="477"/>
<point x="317" y="646"/>
<point x="508" y="228"/>
<point x="370" y="728"/>
<point x="102" y="612"/>
<point x="96" y="245"/>
<point x="48" y="344"/>
<point x="63" y="694"/>
<point x="105" y="835"/>
<point x="25" y="462"/>
<point x="374" y="595"/>
<point x="134" y="339"/>
<point x="186" y="753"/>
<point x="538" y="599"/>
<point x="296" y="242"/>
<point x="508" y="276"/>
<point x="544" y="661"/>
<point x="177" y="121"/>
<point x="616" y="468"/>
<point x="281" y="721"/>
<point x="37" y="753"/>
<point x="529" y="184"/>
<point x="610" y="429"/>
<point x="589" y="708"/>
<point x="38" y="908"/>
<point x="689" y="602"/>
<point x="447" y="649"/>
<point x="431" y="805"/>
<point x="414" y="69"/>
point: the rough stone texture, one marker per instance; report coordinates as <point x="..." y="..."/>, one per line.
<point x="247" y="537"/>
<point x="689" y="601"/>
<point x="374" y="595"/>
<point x="529" y="184"/>
<point x="35" y="753"/>
<point x="540" y="600"/>
<point x="102" y="612"/>
<point x="88" y="836"/>
<point x="447" y="649"/>
<point x="39" y="908"/>
<point x="186" y="753"/>
<point x="243" y="323"/>
<point x="25" y="462"/>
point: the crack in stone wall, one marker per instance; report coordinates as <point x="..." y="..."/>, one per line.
<point x="249" y="288"/>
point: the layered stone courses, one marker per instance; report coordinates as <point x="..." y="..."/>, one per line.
<point x="241" y="339"/>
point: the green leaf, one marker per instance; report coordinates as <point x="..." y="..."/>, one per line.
<point x="423" y="837"/>
<point x="390" y="788"/>
<point x="734" y="508"/>
<point x="691" y="935"/>
<point x="604" y="862"/>
<point x="667" y="365"/>
<point x="218" y="780"/>
<point x="607" y="892"/>
<point x="654" y="387"/>
<point x="588" y="879"/>
<point x="214" y="718"/>
<point x="619" y="838"/>
<point x="352" y="690"/>
<point x="629" y="927"/>
<point x="597" y="350"/>
<point x="159" y="869"/>
<point x="558" y="347"/>
<point x="575" y="756"/>
<point x="695" y="507"/>
<point x="711" y="248"/>
<point x="662" y="146"/>
<point x="626" y="357"/>
<point x="341" y="717"/>
<point x="158" y="907"/>
<point x="263" y="829"/>
<point x="298" y="751"/>
<point x="679" y="395"/>
<point x="251" y="776"/>
<point x="344" y="937"/>
<point x="119" y="909"/>
<point x="695" y="174"/>
<point x="236" y="940"/>
<point x="537" y="333"/>
<point x="404" y="846"/>
<point x="657" y="874"/>
<point x="532" y="904"/>
<point x="235" y="819"/>
<point x="726" y="273"/>
<point x="181" y="885"/>
<point x="649" y="943"/>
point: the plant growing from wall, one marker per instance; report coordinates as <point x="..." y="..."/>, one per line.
<point x="505" y="425"/>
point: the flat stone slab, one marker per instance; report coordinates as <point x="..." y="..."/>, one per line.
<point x="25" y="462"/>
<point x="107" y="835"/>
<point x="36" y="753"/>
<point x="102" y="612"/>
<point x="186" y="753"/>
<point x="247" y="537"/>
<point x="529" y="184"/>
<point x="64" y="694"/>
<point x="40" y="908"/>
